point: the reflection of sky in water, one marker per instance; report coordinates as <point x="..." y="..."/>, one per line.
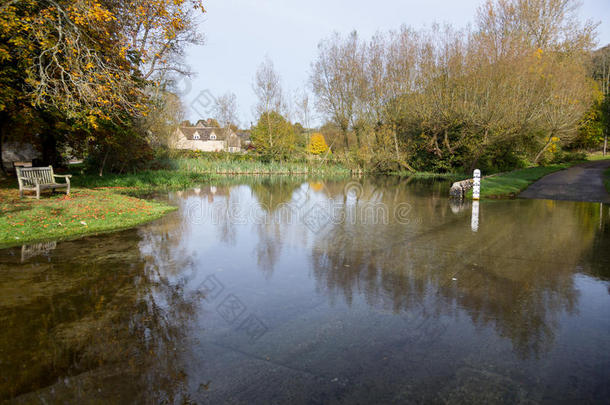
<point x="394" y="298"/>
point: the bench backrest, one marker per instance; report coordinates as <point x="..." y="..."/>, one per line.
<point x="27" y="176"/>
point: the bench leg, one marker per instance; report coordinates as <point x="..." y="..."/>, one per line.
<point x="38" y="192"/>
<point x="68" y="189"/>
<point x="20" y="193"/>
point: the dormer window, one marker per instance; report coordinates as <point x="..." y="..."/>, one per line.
<point x="196" y="136"/>
<point x="213" y="137"/>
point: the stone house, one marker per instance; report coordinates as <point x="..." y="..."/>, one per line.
<point x="206" y="139"/>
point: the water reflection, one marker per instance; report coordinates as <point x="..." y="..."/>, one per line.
<point x="94" y="320"/>
<point x="371" y="289"/>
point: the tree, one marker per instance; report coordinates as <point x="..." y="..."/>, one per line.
<point x="513" y="87"/>
<point x="282" y="141"/>
<point x="166" y="114"/>
<point x="268" y="90"/>
<point x="82" y="64"/>
<point x="317" y="144"/>
<point x="601" y="74"/>
<point x="303" y="110"/>
<point x="225" y="110"/>
<point x="337" y="80"/>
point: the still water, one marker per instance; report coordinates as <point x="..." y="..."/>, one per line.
<point x="293" y="291"/>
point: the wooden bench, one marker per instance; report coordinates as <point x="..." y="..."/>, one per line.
<point x="38" y="179"/>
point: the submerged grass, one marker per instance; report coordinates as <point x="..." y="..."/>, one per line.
<point x="63" y="217"/>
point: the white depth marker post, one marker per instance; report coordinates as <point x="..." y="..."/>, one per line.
<point x="476" y="194"/>
<point x="476" y="187"/>
<point x="474" y="220"/>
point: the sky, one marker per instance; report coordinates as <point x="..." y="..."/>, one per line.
<point x="239" y="34"/>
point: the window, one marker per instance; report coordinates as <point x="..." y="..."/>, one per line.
<point x="196" y="136"/>
<point x="213" y="137"/>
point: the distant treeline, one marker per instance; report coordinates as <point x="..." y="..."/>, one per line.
<point x="520" y="87"/>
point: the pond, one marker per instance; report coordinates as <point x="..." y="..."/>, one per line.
<point x="281" y="290"/>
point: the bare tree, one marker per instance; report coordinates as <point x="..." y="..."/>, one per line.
<point x="167" y="112"/>
<point x="225" y="110"/>
<point x="268" y="89"/>
<point x="303" y="110"/>
<point x="517" y="80"/>
<point x="337" y="80"/>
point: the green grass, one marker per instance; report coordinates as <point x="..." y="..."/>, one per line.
<point x="109" y="203"/>
<point x="510" y="184"/>
<point x="435" y="176"/>
<point x="64" y="217"/>
<point x="597" y="156"/>
<point x="232" y="167"/>
<point x="103" y="204"/>
<point x="146" y="180"/>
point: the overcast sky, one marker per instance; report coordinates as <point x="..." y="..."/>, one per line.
<point x="240" y="33"/>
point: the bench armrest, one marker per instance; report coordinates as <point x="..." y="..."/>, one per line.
<point x="62" y="175"/>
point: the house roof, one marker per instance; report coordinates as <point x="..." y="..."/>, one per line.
<point x="244" y="135"/>
<point x="204" y="133"/>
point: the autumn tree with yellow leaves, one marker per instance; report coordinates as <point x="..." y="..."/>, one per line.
<point x="317" y="144"/>
<point x="86" y="64"/>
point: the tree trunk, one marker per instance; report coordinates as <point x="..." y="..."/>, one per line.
<point x="396" y="146"/>
<point x="474" y="164"/>
<point x="2" y="126"/>
<point x="48" y="141"/>
<point x="269" y="131"/>
<point x="539" y="155"/>
<point x="2" y="169"/>
<point x="101" y="173"/>
<point x="447" y="144"/>
<point x="437" y="149"/>
<point x="49" y="148"/>
<point x="344" y="130"/>
<point x="548" y="143"/>
<point x="408" y="167"/>
<point x="605" y="143"/>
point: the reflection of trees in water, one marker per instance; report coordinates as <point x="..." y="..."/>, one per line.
<point x="206" y="204"/>
<point x="599" y="255"/>
<point x="515" y="274"/>
<point x="272" y="194"/>
<point x="268" y="247"/>
<point x="79" y="329"/>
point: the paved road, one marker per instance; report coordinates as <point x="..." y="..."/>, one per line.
<point x="579" y="183"/>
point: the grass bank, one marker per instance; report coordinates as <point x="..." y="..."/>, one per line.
<point x="109" y="203"/>
<point x="432" y="176"/>
<point x="510" y="184"/>
<point x="64" y="217"/>
<point x="231" y="166"/>
<point x="145" y="181"/>
<point x="597" y="156"/>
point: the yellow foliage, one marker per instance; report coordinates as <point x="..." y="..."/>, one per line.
<point x="316" y="186"/>
<point x="317" y="144"/>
